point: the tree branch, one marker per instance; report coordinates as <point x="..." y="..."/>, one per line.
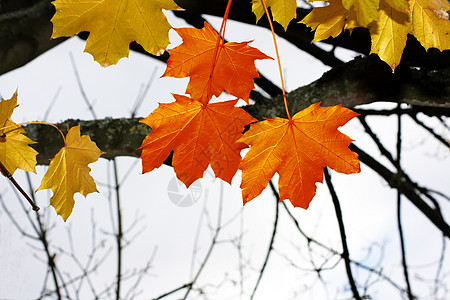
<point x="405" y="188"/>
<point x="367" y="80"/>
<point x="399" y="210"/>
<point x="116" y="137"/>
<point x="25" y="34"/>
<point x="345" y="252"/>
<point x="272" y="239"/>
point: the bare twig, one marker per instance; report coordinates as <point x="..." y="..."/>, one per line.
<point x="180" y="288"/>
<point x="272" y="239"/>
<point x="80" y="85"/>
<point x="14" y="221"/>
<point x="439" y="269"/>
<point x="197" y="239"/>
<point x="399" y="216"/>
<point x="190" y="285"/>
<point x="345" y="254"/>
<point x="212" y="245"/>
<point x="42" y="234"/>
<point x="50" y="106"/>
<point x="119" y="233"/>
<point x="140" y="275"/>
<point x="430" y="130"/>
<point x="377" y="141"/>
<point x="141" y="96"/>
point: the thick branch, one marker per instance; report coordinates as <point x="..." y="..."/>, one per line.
<point x="116" y="137"/>
<point x="25" y="34"/>
<point x="363" y="81"/>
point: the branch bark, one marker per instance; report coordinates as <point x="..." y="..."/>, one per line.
<point x="25" y="33"/>
<point x="115" y="137"/>
<point x="363" y="81"/>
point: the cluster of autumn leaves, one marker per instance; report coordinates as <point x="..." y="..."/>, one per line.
<point x="388" y="21"/>
<point x="201" y="133"/>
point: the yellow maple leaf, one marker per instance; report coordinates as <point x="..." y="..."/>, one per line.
<point x="68" y="172"/>
<point x="430" y="24"/>
<point x="326" y="21"/>
<point x="366" y="10"/>
<point x="389" y="34"/>
<point x="113" y="25"/>
<point x="283" y="11"/>
<point x="329" y="20"/>
<point x="14" y="150"/>
<point x="427" y="20"/>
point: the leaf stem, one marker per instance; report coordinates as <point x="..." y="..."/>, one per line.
<point x="17" y="126"/>
<point x="278" y="59"/>
<point x="219" y="43"/>
<point x="224" y="22"/>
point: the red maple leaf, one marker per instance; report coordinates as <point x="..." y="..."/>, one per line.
<point x="297" y="150"/>
<point x="233" y="71"/>
<point x="199" y="134"/>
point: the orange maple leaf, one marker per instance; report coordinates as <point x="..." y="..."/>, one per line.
<point x="199" y="134"/>
<point x="297" y="150"/>
<point x="233" y="72"/>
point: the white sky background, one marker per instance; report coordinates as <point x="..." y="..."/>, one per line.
<point x="368" y="204"/>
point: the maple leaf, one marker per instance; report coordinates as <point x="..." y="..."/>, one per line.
<point x="389" y="34"/>
<point x="426" y="20"/>
<point x="199" y="134"/>
<point x="297" y="150"/>
<point x="113" y="25"/>
<point x="283" y="11"/>
<point x="430" y="24"/>
<point x="68" y="172"/>
<point x="233" y="72"/>
<point x="366" y="10"/>
<point x="14" y="150"/>
<point x="329" y="20"/>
